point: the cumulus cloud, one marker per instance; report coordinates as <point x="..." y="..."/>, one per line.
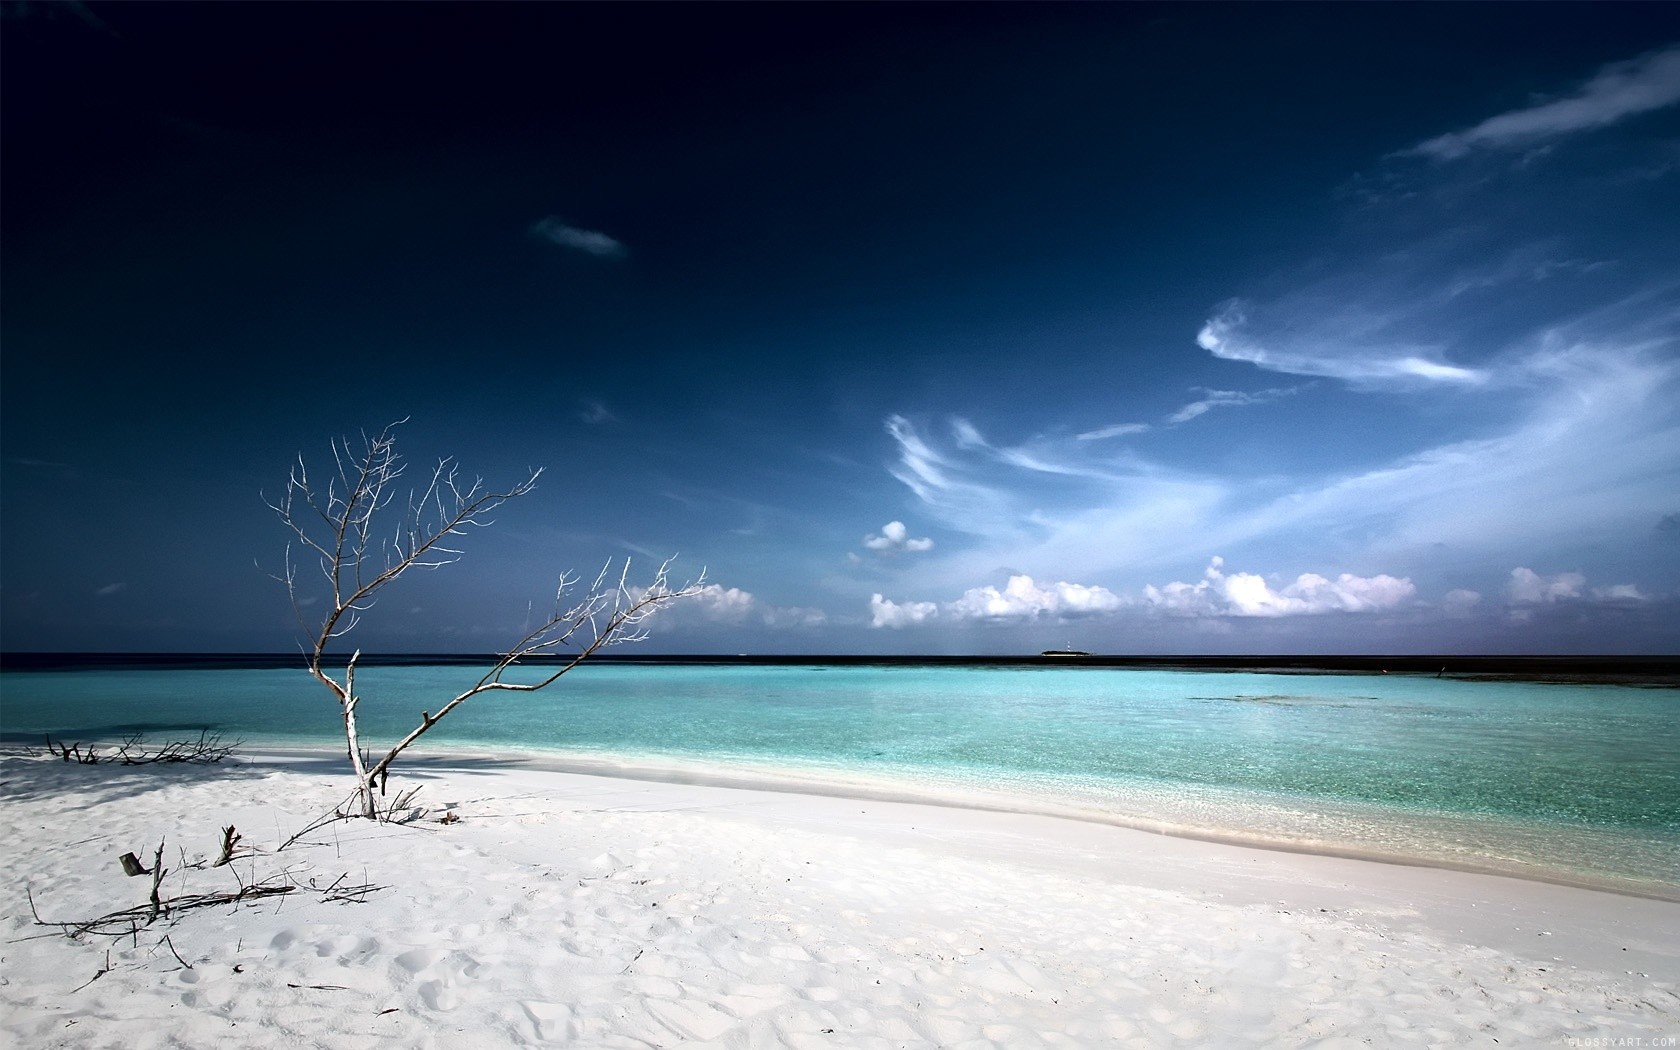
<point x="1023" y="599"/>
<point x="1621" y="592"/>
<point x="559" y="232"/>
<point x="1019" y="600"/>
<point x="1460" y="601"/>
<point x="1530" y="588"/>
<point x="1226" y="335"/>
<point x="1527" y="587"/>
<point x="1619" y="90"/>
<point x="724" y="603"/>
<point x="716" y="604"/>
<point x="793" y="617"/>
<point x="884" y="613"/>
<point x="895" y="536"/>
<point x="1247" y="594"/>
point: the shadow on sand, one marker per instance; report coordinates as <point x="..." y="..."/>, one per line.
<point x="28" y="772"/>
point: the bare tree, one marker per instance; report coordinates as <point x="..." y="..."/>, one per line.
<point x="361" y="539"/>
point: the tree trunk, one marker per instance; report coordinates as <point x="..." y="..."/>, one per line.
<point x="364" y="786"/>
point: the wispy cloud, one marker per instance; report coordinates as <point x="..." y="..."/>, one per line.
<point x="1618" y="91"/>
<point x="596" y="413"/>
<point x="1585" y="426"/>
<point x="110" y="589"/>
<point x="1334" y="355"/>
<point x="1114" y="431"/>
<point x="941" y="483"/>
<point x="1212" y="399"/>
<point x="591" y="242"/>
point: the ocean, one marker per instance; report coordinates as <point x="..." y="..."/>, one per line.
<point x="1566" y="782"/>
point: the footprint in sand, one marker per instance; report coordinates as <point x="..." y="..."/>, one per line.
<point x="441" y="971"/>
<point x="418" y="959"/>
<point x="552" y="1021"/>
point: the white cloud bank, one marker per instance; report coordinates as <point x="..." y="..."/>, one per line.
<point x="715" y="603"/>
<point x="1528" y="587"/>
<point x="884" y="613"/>
<point x="895" y="536"/>
<point x="1619" y="90"/>
<point x="1215" y="595"/>
<point x="1246" y="594"/>
<point x="1022" y="599"/>
<point x="1019" y="600"/>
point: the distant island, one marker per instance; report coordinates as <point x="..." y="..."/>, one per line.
<point x="1064" y="652"/>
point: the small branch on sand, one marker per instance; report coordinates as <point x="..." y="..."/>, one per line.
<point x="208" y="748"/>
<point x="73" y="753"/>
<point x="157" y="881"/>
<point x="337" y="814"/>
<point x="130" y="920"/>
<point x="175" y="953"/>
<point x="230" y="842"/>
<point x="107" y="969"/>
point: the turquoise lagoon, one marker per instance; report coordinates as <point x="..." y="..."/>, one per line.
<point x="1577" y="783"/>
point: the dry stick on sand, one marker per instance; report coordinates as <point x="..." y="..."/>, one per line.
<point x="129" y="921"/>
<point x="208" y="748"/>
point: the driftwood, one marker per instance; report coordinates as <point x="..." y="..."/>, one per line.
<point x="131" y="920"/>
<point x="127" y="922"/>
<point x="208" y="748"/>
<point x="230" y="842"/>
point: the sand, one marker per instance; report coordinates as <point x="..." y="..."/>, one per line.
<point x="586" y="910"/>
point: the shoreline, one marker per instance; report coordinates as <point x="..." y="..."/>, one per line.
<point x="559" y="907"/>
<point x="821" y="782"/>
<point x="1634" y="670"/>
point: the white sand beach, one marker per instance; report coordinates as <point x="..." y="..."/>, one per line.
<point x="585" y="910"/>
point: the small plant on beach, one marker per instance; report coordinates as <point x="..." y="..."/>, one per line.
<point x="362" y="539"/>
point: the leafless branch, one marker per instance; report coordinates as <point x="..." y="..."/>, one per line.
<point x="362" y="539"/>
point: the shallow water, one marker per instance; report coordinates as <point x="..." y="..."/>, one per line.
<point x="1564" y="781"/>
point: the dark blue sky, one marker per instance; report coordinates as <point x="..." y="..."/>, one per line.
<point x="922" y="329"/>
